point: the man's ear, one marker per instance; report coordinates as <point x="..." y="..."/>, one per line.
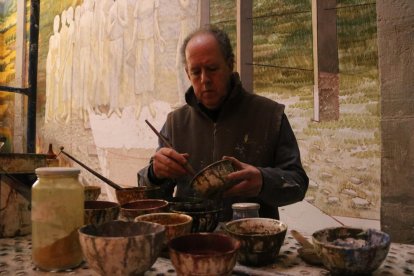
<point x="230" y="63"/>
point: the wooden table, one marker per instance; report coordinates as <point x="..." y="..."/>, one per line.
<point x="15" y="259"/>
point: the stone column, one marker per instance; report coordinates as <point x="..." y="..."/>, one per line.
<point x="325" y="58"/>
<point x="395" y="23"/>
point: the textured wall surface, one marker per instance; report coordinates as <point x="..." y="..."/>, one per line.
<point x="396" y="63"/>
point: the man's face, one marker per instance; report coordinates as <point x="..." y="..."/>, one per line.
<point x="207" y="69"/>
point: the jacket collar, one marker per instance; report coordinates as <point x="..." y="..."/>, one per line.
<point x="235" y="90"/>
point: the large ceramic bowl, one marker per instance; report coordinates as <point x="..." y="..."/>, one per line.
<point x="121" y="248"/>
<point x="126" y="195"/>
<point x="203" y="254"/>
<point x="351" y="251"/>
<point x="205" y="214"/>
<point x="131" y="210"/>
<point x="175" y="224"/>
<point x="260" y="238"/>
<point x="212" y="181"/>
<point x="100" y="211"/>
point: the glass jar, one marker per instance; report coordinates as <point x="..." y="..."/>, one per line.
<point x="245" y="210"/>
<point x="57" y="214"/>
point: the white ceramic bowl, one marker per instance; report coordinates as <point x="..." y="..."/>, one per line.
<point x="203" y="254"/>
<point x="121" y="248"/>
<point x="211" y="182"/>
<point x="351" y="251"/>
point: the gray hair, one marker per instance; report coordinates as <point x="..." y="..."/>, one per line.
<point x="221" y="37"/>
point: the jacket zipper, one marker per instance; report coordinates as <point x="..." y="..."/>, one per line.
<point x="214" y="141"/>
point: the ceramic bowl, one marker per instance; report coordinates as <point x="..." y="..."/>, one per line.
<point x="203" y="254"/>
<point x="99" y="211"/>
<point x="121" y="248"/>
<point x="126" y="195"/>
<point x="351" y="251"/>
<point x="175" y="224"/>
<point x="205" y="214"/>
<point x="211" y="182"/>
<point x="130" y="210"/>
<point x="92" y="192"/>
<point x="260" y="238"/>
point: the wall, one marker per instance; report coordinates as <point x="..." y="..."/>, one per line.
<point x="396" y="63"/>
<point x="101" y="75"/>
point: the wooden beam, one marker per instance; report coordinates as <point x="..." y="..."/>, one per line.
<point x="326" y="61"/>
<point x="244" y="51"/>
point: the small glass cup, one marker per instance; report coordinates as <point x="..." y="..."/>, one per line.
<point x="245" y="210"/>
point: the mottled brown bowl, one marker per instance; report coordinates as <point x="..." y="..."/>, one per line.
<point x="126" y="195"/>
<point x="212" y="181"/>
<point x="92" y="192"/>
<point x="205" y="214"/>
<point x="175" y="224"/>
<point x="203" y="254"/>
<point x="351" y="251"/>
<point x="121" y="248"/>
<point x="260" y="238"/>
<point x="131" y="210"/>
<point x="99" y="211"/>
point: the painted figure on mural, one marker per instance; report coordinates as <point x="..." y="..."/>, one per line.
<point x="145" y="36"/>
<point x="128" y="68"/>
<point x="86" y="22"/>
<point x="116" y="25"/>
<point x="99" y="50"/>
<point x="67" y="67"/>
<point x="76" y="62"/>
<point x="188" y="22"/>
<point x="52" y="69"/>
<point x="58" y="93"/>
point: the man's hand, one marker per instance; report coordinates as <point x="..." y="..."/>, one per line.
<point x="167" y="163"/>
<point x="249" y="178"/>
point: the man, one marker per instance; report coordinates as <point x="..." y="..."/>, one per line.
<point x="222" y="120"/>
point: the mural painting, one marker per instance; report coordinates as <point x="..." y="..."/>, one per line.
<point x="8" y="11"/>
<point x="101" y="74"/>
<point x="341" y="157"/>
<point x="109" y="65"/>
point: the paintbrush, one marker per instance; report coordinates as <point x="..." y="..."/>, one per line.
<point x="186" y="165"/>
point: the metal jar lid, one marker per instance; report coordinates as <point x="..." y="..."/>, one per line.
<point x="57" y="171"/>
<point x="245" y="206"/>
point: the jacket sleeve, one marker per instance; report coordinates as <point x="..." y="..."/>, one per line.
<point x="286" y="182"/>
<point x="146" y="176"/>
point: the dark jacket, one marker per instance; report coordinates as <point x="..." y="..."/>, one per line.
<point x="249" y="127"/>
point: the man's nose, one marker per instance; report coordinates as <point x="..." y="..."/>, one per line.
<point x="205" y="78"/>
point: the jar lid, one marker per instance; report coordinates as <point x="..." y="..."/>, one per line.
<point x="245" y="206"/>
<point x="57" y="170"/>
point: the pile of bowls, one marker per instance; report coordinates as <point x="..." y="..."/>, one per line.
<point x="205" y="214"/>
<point x="212" y="181"/>
<point x="260" y="238"/>
<point x="133" y="209"/>
<point x="351" y="251"/>
<point x="203" y="254"/>
<point x="175" y="224"/>
<point x="121" y="248"/>
<point x="100" y="211"/>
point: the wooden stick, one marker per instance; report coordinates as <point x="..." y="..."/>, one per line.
<point x="101" y="177"/>
<point x="186" y="165"/>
